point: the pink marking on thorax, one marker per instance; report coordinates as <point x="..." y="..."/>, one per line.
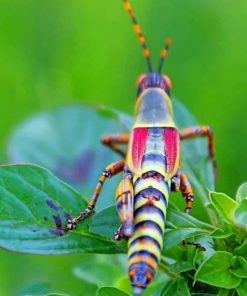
<point x="171" y="148"/>
<point x="138" y="146"/>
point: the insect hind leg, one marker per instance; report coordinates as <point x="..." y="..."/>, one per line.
<point x="125" y="206"/>
<point x="181" y="182"/>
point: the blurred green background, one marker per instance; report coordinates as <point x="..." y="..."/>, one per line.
<point x="56" y="52"/>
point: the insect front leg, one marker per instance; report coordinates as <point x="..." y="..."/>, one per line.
<point x="201" y="131"/>
<point x="125" y="206"/>
<point x="112" y="141"/>
<point x="111" y="170"/>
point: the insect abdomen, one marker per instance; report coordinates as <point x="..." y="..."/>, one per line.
<point x="145" y="246"/>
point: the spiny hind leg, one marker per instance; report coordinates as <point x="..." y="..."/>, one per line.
<point x="112" y="141"/>
<point x="187" y="192"/>
<point x="181" y="182"/>
<point x="201" y="131"/>
<point x="111" y="170"/>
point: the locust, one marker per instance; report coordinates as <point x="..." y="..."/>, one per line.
<point x="151" y="169"/>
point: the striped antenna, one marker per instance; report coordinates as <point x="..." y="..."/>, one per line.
<point x="164" y="53"/>
<point x="138" y="31"/>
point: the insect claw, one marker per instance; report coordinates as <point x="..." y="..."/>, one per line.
<point x="70" y="224"/>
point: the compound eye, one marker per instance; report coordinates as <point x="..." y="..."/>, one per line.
<point x="167" y="81"/>
<point x="140" y="79"/>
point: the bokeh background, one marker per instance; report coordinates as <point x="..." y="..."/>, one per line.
<point x="59" y="52"/>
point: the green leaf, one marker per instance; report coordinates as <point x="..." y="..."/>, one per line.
<point x="226" y="292"/>
<point x="56" y="294"/>
<point x="242" y="288"/>
<point x="183" y="226"/>
<point x="223" y="204"/>
<point x="154" y="289"/>
<point x="240" y="214"/>
<point x="111" y="291"/>
<point x="104" y="274"/>
<point x="38" y="289"/>
<point x="241" y="269"/>
<point x="176" y="287"/>
<point x="35" y="206"/>
<point x="202" y="294"/>
<point x="67" y="142"/>
<point x="107" y="216"/>
<point x="241" y="250"/>
<point x="194" y="154"/>
<point x="215" y="271"/>
<point x="185" y="263"/>
<point x="242" y="192"/>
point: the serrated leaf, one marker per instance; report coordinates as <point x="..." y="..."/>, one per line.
<point x="224" y="205"/>
<point x="176" y="287"/>
<point x="240" y="214"/>
<point x="215" y="271"/>
<point x="35" y="206"/>
<point x="111" y="291"/>
<point x="242" y="192"/>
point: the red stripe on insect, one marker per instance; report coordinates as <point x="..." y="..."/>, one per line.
<point x="171" y="148"/>
<point x="138" y="146"/>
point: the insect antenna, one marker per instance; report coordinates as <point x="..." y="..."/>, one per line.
<point x="138" y="31"/>
<point x="164" y="53"/>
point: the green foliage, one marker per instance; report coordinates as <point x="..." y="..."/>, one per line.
<point x="35" y="205"/>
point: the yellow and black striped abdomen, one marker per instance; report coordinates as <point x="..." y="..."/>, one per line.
<point x="144" y="247"/>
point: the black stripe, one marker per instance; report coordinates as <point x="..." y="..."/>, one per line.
<point x="148" y="224"/>
<point x="147" y="238"/>
<point x="149" y="209"/>
<point x="145" y="254"/>
<point x="150" y="191"/>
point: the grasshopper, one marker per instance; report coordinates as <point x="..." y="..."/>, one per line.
<point x="151" y="170"/>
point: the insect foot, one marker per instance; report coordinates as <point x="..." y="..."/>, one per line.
<point x="70" y="224"/>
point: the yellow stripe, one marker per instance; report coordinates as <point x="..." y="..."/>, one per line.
<point x="149" y="260"/>
<point x="158" y="204"/>
<point x="150" y="167"/>
<point x="150" y="232"/>
<point x="150" y="182"/>
<point x="149" y="247"/>
<point x="150" y="216"/>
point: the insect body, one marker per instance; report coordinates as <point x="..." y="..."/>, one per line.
<point x="151" y="169"/>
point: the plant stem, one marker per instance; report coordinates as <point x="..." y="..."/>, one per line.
<point x="164" y="268"/>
